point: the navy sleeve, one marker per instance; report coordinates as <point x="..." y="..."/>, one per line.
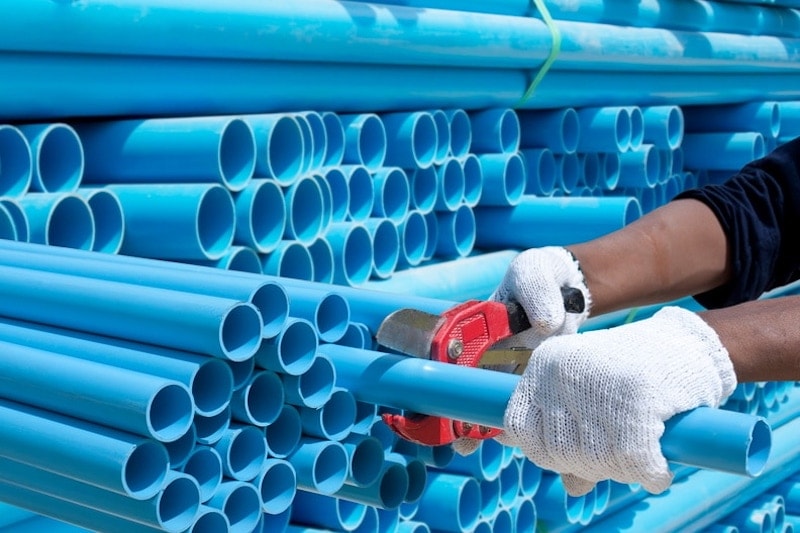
<point x="759" y="209"/>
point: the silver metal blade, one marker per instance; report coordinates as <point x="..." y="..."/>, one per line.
<point x="509" y="360"/>
<point x="409" y="331"/>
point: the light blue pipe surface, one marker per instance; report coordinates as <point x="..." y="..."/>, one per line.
<point x="306" y="164"/>
<point x="450" y="501"/>
<point x="329" y="313"/>
<point x="359" y="187"/>
<point x="154" y="407"/>
<point x="432" y="232"/>
<point x="59" y="219"/>
<point x="495" y="130"/>
<point x="283" y="435"/>
<point x="176" y="221"/>
<point x="319" y="139"/>
<point x="352" y="253"/>
<point x="209" y="429"/>
<point x="411" y="139"/>
<point x="456" y="235"/>
<point x="417" y="472"/>
<point x="540" y="170"/>
<point x="504" y="178"/>
<point x="15" y="151"/>
<point x="451" y="185"/>
<point x="366" y="456"/>
<point x="209" y="379"/>
<point x="386" y="246"/>
<point x="315" y="510"/>
<point x="763" y="117"/>
<point x="168" y="150"/>
<point x="8" y="227"/>
<point x="277" y="486"/>
<point x="109" y="221"/>
<point x="473" y="277"/>
<point x="334" y="420"/>
<point x="260" y="215"/>
<point x="240" y="503"/>
<point x="321" y="465"/>
<point x="279" y="146"/>
<point x="568" y="172"/>
<point x="62" y="510"/>
<point x="327" y="202"/>
<point x="442" y="123"/>
<point x="663" y="126"/>
<point x="639" y="168"/>
<point x="173" y="509"/>
<point x="259" y="400"/>
<point x="637" y="126"/>
<point x="321" y="255"/>
<point x="292" y="350"/>
<point x="18" y="218"/>
<point x="209" y="520"/>
<point x="243" y="450"/>
<point x="473" y="179"/>
<point x="204" y="464"/>
<point x="340" y="192"/>
<point x="485" y="463"/>
<point x="460" y="131"/>
<point x="556" y="129"/>
<point x="553" y="221"/>
<point x="334" y="131"/>
<point x="365" y="140"/>
<point x="205" y="324"/>
<point x="180" y="449"/>
<point x="304" y="204"/>
<point x="722" y="151"/>
<point x="313" y="387"/>
<point x="57" y="157"/>
<point x="109" y="459"/>
<point x="590" y="170"/>
<point x="387" y="492"/>
<point x="604" y="129"/>
<point x="384" y="379"/>
<point x="391" y="193"/>
<point x="290" y="258"/>
<point x="242" y="258"/>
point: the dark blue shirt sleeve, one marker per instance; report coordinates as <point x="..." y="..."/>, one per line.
<point x="759" y="209"/>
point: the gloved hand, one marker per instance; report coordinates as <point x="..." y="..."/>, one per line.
<point x="591" y="406"/>
<point x="534" y="279"/>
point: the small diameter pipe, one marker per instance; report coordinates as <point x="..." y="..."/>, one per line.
<point x="386" y="246"/>
<point x="289" y="259"/>
<point x="268" y="297"/>
<point x="495" y="130"/>
<point x="722" y="151"/>
<point x="173" y="509"/>
<point x="304" y="204"/>
<point x="283" y="435"/>
<point x="18" y="218"/>
<point x="329" y="313"/>
<point x="356" y="336"/>
<point x="432" y="233"/>
<point x="326" y="214"/>
<point x="279" y="146"/>
<point x="340" y="192"/>
<point x="321" y="255"/>
<point x="610" y="167"/>
<point x="442" y="123"/>
<point x="307" y="164"/>
<point x="663" y="126"/>
<point x="411" y="139"/>
<point x="319" y="139"/>
<point x="327" y="512"/>
<point x="292" y="350"/>
<point x="108" y="459"/>
<point x="688" y="439"/>
<point x="365" y="140"/>
<point x="387" y="492"/>
<point x="485" y="463"/>
<point x="504" y="179"/>
<point x="204" y="464"/>
<point x="452" y="185"/>
<point x="417" y="472"/>
<point x="553" y="221"/>
<point x="366" y="457"/>
<point x="260" y="215"/>
<point x="450" y="501"/>
<point x="109" y="221"/>
<point x="209" y="429"/>
<point x="170" y="150"/>
<point x="153" y="407"/>
<point x="334" y="420"/>
<point x="259" y="401"/>
<point x="241" y="258"/>
<point x="220" y="327"/>
<point x="424" y="188"/>
<point x="59" y="219"/>
<point x="321" y="465"/>
<point x="15" y="152"/>
<point x="590" y="170"/>
<point x="640" y="168"/>
<point x="180" y="450"/>
<point x="540" y="169"/>
<point x="473" y="179"/>
<point x="391" y="192"/>
<point x="176" y="221"/>
<point x="209" y="520"/>
<point x="352" y="253"/>
<point x="530" y="477"/>
<point x="334" y="131"/>
<point x="277" y="486"/>
<point x="762" y="117"/>
<point x="243" y="450"/>
<point x="554" y="505"/>
<point x="57" y="155"/>
<point x="209" y="379"/>
<point x="509" y="484"/>
<point x="490" y="497"/>
<point x="359" y="186"/>
<point x="558" y="130"/>
<point x="8" y="227"/>
<point x="604" y="129"/>
<point x="475" y="276"/>
<point x="637" y="127"/>
<point x="460" y="132"/>
<point x="240" y="502"/>
<point x="456" y="237"/>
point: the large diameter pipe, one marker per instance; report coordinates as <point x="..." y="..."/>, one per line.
<point x="443" y="389"/>
<point x="210" y="325"/>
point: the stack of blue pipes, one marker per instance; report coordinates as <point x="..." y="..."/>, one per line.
<point x="207" y="209"/>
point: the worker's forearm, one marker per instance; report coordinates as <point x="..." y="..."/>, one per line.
<point x="677" y="250"/>
<point x="761" y="337"/>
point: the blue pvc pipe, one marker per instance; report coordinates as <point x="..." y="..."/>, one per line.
<point x="243" y="450"/>
<point x="8" y="226"/>
<point x="329" y="313"/>
<point x="321" y="255"/>
<point x="340" y="192"/>
<point x="451" y="185"/>
<point x="366" y="456"/>
<point x="762" y="117"/>
<point x="334" y="131"/>
<point x="209" y="520"/>
<point x="559" y="130"/>
<point x="722" y="151"/>
<point x="604" y="129"/>
<point x="610" y="167"/>
<point x="319" y="139"/>
<point x="327" y="202"/>
<point x="413" y="234"/>
<point x="154" y="407"/>
<point x="391" y="193"/>
<point x="279" y="146"/>
<point x="460" y="131"/>
<point x="204" y="464"/>
<point x="365" y="140"/>
<point x="456" y="236"/>
<point x="170" y="150"/>
<point x="283" y="435"/>
<point x="321" y="465"/>
<point x="173" y="509"/>
<point x="180" y="450"/>
<point x="388" y="380"/>
<point x="292" y="350"/>
<point x="490" y="497"/>
<point x="640" y="168"/>
<point x="240" y="502"/>
<point x="352" y="253"/>
<point x="333" y="420"/>
<point x="411" y="139"/>
<point x="15" y="151"/>
<point x="568" y="172"/>
<point x="105" y="458"/>
<point x="553" y="221"/>
<point x="290" y="258"/>
<point x="209" y="429"/>
<point x="241" y="258"/>
<point x="109" y="221"/>
<point x="359" y="186"/>
<point x="57" y="156"/>
<point x="637" y="127"/>
<point x="59" y="219"/>
<point x="387" y="492"/>
<point x="277" y="485"/>
<point x="495" y="130"/>
<point x="473" y="179"/>
<point x="307" y="163"/>
<point x="663" y="126"/>
<point x="304" y="205"/>
<point x="590" y="170"/>
<point x="260" y="215"/>
<point x="504" y="178"/>
<point x="540" y="169"/>
<point x="386" y="246"/>
<point x="417" y="472"/>
<point x="450" y="501"/>
<point x="19" y="219"/>
<point x="209" y="379"/>
<point x="442" y="123"/>
<point x="484" y="463"/>
<point x="432" y="234"/>
<point x="259" y="401"/>
<point x="322" y="511"/>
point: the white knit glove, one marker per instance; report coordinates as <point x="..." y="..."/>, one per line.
<point x="592" y="406"/>
<point x="534" y="279"/>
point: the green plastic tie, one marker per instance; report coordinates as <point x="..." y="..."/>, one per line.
<point x="555" y="35"/>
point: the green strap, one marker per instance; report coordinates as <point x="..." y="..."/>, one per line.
<point x="555" y="34"/>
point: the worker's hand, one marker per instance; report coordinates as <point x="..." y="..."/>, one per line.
<point x="591" y="406"/>
<point x="535" y="278"/>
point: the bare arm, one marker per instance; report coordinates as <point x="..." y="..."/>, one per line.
<point x="674" y="251"/>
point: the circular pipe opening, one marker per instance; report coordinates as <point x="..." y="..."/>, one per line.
<point x="169" y="414"/>
<point x="18" y="217"/>
<point x="332" y="316"/>
<point x="366" y="462"/>
<point x="277" y="485"/>
<point x="469" y="501"/>
<point x="622" y="130"/>
<point x="246" y="453"/>
<point x="675" y="127"/>
<point x="178" y="503"/>
<point x="442" y="135"/>
<point x="322" y="260"/>
<point x="211" y="428"/>
<point x="70" y="223"/>
<point x="452" y="184"/>
<point x="393" y="486"/>
<point x="473" y="179"/>
<point x="334" y="131"/>
<point x="357" y="256"/>
<point x="386" y="249"/>
<point x="267" y="216"/>
<point x="243" y="508"/>
<point x="284" y="149"/>
<point x="637" y="127"/>
<point x="305" y="205"/>
<point x="424" y="140"/>
<point x="205" y="466"/>
<point x="514" y="179"/>
<point x="319" y="137"/>
<point x="241" y="371"/>
<point x="315" y="385"/>
<point x="359" y="185"/>
<point x="145" y="469"/>
<point x="460" y="132"/>
<point x="283" y="435"/>
<point x="570" y="130"/>
<point x="423" y="186"/>
<point x="59" y="159"/>
<point x="216" y="218"/>
<point x="264" y="398"/>
<point x="372" y="141"/>
<point x="759" y="448"/>
<point x="179" y="450"/>
<point x="272" y="303"/>
<point x="330" y="468"/>
<point x="109" y="221"/>
<point x="212" y="387"/>
<point x="297" y="346"/>
<point x="340" y="194"/>
<point x="15" y="153"/>
<point x="240" y="332"/>
<point x="237" y="154"/>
